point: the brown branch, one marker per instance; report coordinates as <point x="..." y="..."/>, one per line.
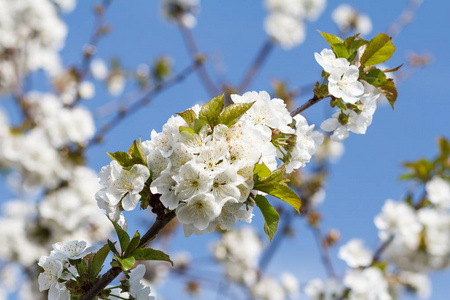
<point x="256" y="65"/>
<point x="144" y="100"/>
<point x="191" y="45"/>
<point x="112" y="273"/>
<point x="306" y="105"/>
<point x="324" y="253"/>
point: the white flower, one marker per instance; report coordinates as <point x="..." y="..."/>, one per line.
<point x="347" y="18"/>
<point x="232" y="212"/>
<point x="307" y="142"/>
<point x="419" y="282"/>
<point x="290" y="284"/>
<point x="316" y="289"/>
<point x="116" y="84"/>
<point x="346" y="85"/>
<point x="192" y="181"/>
<point x="137" y="289"/>
<point x="328" y="61"/>
<point x="438" y="192"/>
<point x="166" y="186"/>
<point x="225" y="184"/>
<point x="367" y="284"/>
<point x="71" y="250"/>
<point x="99" y="69"/>
<point x="284" y="29"/>
<point x="199" y="211"/>
<point x="86" y="90"/>
<point x="127" y="185"/>
<point x="268" y="289"/>
<point x="355" y="254"/>
<point x="48" y="280"/>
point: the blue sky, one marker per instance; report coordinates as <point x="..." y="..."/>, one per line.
<point x="231" y="32"/>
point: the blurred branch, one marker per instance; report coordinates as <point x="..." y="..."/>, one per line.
<point x="405" y="18"/>
<point x="323" y="249"/>
<point x="191" y="45"/>
<point x="143" y="100"/>
<point x="112" y="273"/>
<point x="256" y="65"/>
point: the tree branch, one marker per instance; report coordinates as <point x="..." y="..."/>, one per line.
<point x="324" y="254"/>
<point x="305" y="106"/>
<point x="256" y="65"/>
<point x="191" y="45"/>
<point x="112" y="273"/>
<point x="144" y="100"/>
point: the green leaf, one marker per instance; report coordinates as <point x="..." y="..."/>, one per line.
<point x="112" y="247"/>
<point x="261" y="170"/>
<point x="212" y="109"/>
<point x="356" y="44"/>
<point x="187" y="129"/>
<point x="277" y="175"/>
<point x="124" y="238"/>
<point x="330" y="38"/>
<point x="233" y="113"/>
<point x="375" y="77"/>
<point x="137" y="152"/>
<point x="188" y="115"/>
<point x="126" y="263"/>
<point x="282" y="192"/>
<point x="271" y="216"/>
<point x="378" y="50"/>
<point x="340" y="50"/>
<point x="389" y="90"/>
<point x="123" y="158"/>
<point x="99" y="259"/>
<point x="198" y="125"/>
<point x="150" y="254"/>
<point x="444" y="148"/>
<point x="134" y="243"/>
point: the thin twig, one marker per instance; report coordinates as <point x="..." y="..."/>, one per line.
<point x="191" y="45"/>
<point x="256" y="65"/>
<point x="306" y="105"/>
<point x="405" y="18"/>
<point x="324" y="253"/>
<point x="112" y="273"/>
<point x="91" y="48"/>
<point x="144" y="99"/>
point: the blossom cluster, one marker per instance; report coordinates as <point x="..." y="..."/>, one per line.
<point x="344" y="84"/>
<point x="285" y="22"/>
<point x="207" y="176"/>
<point x="347" y="18"/>
<point x="239" y="251"/>
<point x="60" y="272"/>
<point x="421" y="236"/>
<point x="31" y="35"/>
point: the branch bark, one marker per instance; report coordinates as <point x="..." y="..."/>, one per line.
<point x="305" y="106"/>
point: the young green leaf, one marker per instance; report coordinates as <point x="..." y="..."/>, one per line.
<point x="99" y="259"/>
<point x="276" y="176"/>
<point x="233" y="113"/>
<point x="444" y="148"/>
<point x="389" y="90"/>
<point x="270" y="215"/>
<point x="137" y="152"/>
<point x="124" y="238"/>
<point x="378" y="50"/>
<point x="212" y="109"/>
<point x="375" y="77"/>
<point x="198" y="124"/>
<point x="261" y="170"/>
<point x="331" y="39"/>
<point x="187" y="129"/>
<point x="134" y="243"/>
<point x="340" y="50"/>
<point x="123" y="158"/>
<point x="112" y="247"/>
<point x="282" y="192"/>
<point x="188" y="115"/>
<point x="150" y="254"/>
<point x="126" y="263"/>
